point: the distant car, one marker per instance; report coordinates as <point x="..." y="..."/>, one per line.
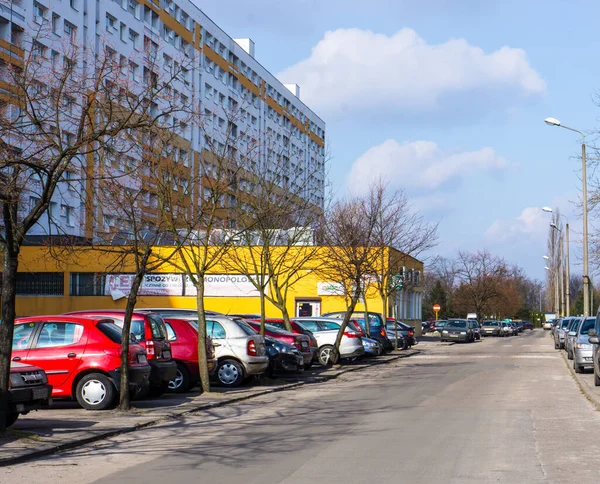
<point x="427" y="326"/>
<point x="183" y="337"/>
<point x="548" y="324"/>
<point x="300" y="341"/>
<point x="296" y="328"/>
<point x="81" y="357"/>
<point x="406" y="333"/>
<point x="491" y="328"/>
<point x="506" y="329"/>
<point x="559" y="333"/>
<point x="571" y="335"/>
<point x="439" y="325"/>
<point x="150" y="331"/>
<point x="458" y="330"/>
<point x="376" y="331"/>
<point x="326" y="331"/>
<point x="283" y="358"/>
<point x="528" y="325"/>
<point x="371" y="346"/>
<point x="29" y="390"/>
<point x="582" y="349"/>
<point x="476" y="329"/>
<point x="515" y="328"/>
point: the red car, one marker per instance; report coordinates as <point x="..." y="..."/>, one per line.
<point x="150" y="331"/>
<point x="81" y="357"/>
<point x="300" y="341"/>
<point x="296" y="328"/>
<point x="184" y="346"/>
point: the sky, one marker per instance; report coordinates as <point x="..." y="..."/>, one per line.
<point x="445" y="99"/>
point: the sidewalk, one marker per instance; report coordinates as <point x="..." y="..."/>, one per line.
<point x="66" y="425"/>
<point x="585" y="382"/>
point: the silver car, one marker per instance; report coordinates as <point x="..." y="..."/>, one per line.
<point x="559" y="333"/>
<point x="571" y="335"/>
<point x="582" y="349"/>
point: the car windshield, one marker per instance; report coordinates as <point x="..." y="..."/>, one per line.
<point x="456" y="324"/>
<point x="490" y="323"/>
<point x="587" y="325"/>
<point x="565" y="323"/>
<point x="246" y="328"/>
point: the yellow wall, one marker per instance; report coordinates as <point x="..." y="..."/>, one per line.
<point x="38" y="259"/>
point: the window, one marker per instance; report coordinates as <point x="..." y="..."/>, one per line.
<point x="59" y="334"/>
<point x="111" y="23"/>
<point x="215" y="330"/>
<point x="70" y="30"/>
<point x="66" y="212"/>
<point x="87" y="284"/>
<point x="122" y="31"/>
<point x="73" y="4"/>
<point x="133" y="37"/>
<point x="171" y="335"/>
<point x="40" y="284"/>
<point x="22" y="336"/>
<point x="56" y="24"/>
<point x="39" y="13"/>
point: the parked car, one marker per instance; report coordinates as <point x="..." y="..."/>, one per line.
<point x="515" y="328"/>
<point x="519" y="324"/>
<point x="176" y="312"/>
<point x="183" y="337"/>
<point x="559" y="333"/>
<point x="458" y="330"/>
<point x="326" y="331"/>
<point x="506" y="329"/>
<point x="570" y="336"/>
<point x="491" y="328"/>
<point x="150" y="331"/>
<point x="371" y="346"/>
<point x="406" y="333"/>
<point x="81" y="357"/>
<point x="427" y="327"/>
<point x="440" y="325"/>
<point x="548" y="324"/>
<point x="241" y="352"/>
<point x="283" y="358"/>
<point x="29" y="390"/>
<point x="528" y="325"/>
<point x="476" y="329"/>
<point x="296" y="328"/>
<point x="376" y="331"/>
<point x="582" y="348"/>
<point x="299" y="340"/>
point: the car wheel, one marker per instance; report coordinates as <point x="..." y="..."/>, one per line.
<point x="308" y="366"/>
<point x="230" y="373"/>
<point x="577" y="368"/>
<point x="182" y="381"/>
<point x="556" y="345"/>
<point x="326" y="356"/>
<point x="11" y="418"/>
<point x="569" y="355"/>
<point x="158" y="390"/>
<point x="596" y="378"/>
<point x="95" y="392"/>
<point x="405" y="345"/>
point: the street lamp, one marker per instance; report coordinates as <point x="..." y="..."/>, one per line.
<point x="546" y="257"/>
<point x="556" y="308"/>
<point x="586" y="282"/>
<point x="568" y="268"/>
<point x="560" y="271"/>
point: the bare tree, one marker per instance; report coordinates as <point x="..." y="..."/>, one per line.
<point x="59" y="121"/>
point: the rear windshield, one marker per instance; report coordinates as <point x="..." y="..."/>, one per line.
<point x="456" y="324"/>
<point x="157" y="325"/>
<point x="587" y="325"/>
<point x="246" y="328"/>
<point x="490" y="323"/>
<point x="111" y="331"/>
<point x="565" y="323"/>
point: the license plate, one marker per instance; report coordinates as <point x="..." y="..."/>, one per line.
<point x="454" y="336"/>
<point x="142" y="359"/>
<point x="304" y="344"/>
<point x="587" y="359"/>
<point x="39" y="393"/>
<point x="166" y="355"/>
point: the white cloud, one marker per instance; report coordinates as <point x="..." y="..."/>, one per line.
<point x="531" y="222"/>
<point x="354" y="69"/>
<point x="420" y="164"/>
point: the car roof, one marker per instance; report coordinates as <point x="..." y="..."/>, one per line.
<point x="66" y="318"/>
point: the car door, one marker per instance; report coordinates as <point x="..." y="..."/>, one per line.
<point x="23" y="336"/>
<point x="217" y="332"/>
<point x="58" y="348"/>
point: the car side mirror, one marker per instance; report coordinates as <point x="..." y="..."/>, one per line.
<point x="592" y="332"/>
<point x="216" y="343"/>
<point x="594" y="340"/>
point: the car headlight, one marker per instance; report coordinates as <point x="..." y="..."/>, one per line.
<point x="445" y="331"/>
<point x="583" y="346"/>
<point x="16" y="380"/>
<point x="463" y="332"/>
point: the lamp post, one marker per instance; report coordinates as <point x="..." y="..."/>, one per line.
<point x="586" y="282"/>
<point x="560" y="267"/>
<point x="568" y="266"/>
<point x="556" y="309"/>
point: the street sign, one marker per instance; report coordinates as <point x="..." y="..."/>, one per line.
<point x="436" y="308"/>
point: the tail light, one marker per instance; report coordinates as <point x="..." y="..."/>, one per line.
<point x="411" y="333"/>
<point x="349" y="334"/>
<point x="150" y="350"/>
<point x="383" y="333"/>
<point x="251" y="348"/>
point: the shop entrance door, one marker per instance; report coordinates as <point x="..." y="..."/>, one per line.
<point x="306" y="308"/>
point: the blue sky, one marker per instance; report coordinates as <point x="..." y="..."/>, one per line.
<point x="446" y="99"/>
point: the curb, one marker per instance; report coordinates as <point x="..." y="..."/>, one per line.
<point x="590" y="397"/>
<point x="102" y="435"/>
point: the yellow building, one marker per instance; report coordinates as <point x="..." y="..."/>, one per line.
<point x="57" y="281"/>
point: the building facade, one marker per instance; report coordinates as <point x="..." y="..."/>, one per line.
<point x="221" y="76"/>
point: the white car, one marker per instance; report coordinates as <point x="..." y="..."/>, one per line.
<point x="325" y="331"/>
<point x="548" y="324"/>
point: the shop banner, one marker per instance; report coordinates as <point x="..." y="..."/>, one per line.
<point x="119" y="285"/>
<point x="224" y="285"/>
<point x="330" y="289"/>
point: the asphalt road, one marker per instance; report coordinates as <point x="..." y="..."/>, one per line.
<point x="500" y="410"/>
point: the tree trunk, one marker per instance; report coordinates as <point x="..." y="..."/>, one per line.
<point x="280" y="302"/>
<point x="202" y="356"/>
<point x="367" y="319"/>
<point x="286" y="319"/>
<point x="124" y="397"/>
<point x="345" y="322"/>
<point x="9" y="290"/>
<point x="262" y="311"/>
